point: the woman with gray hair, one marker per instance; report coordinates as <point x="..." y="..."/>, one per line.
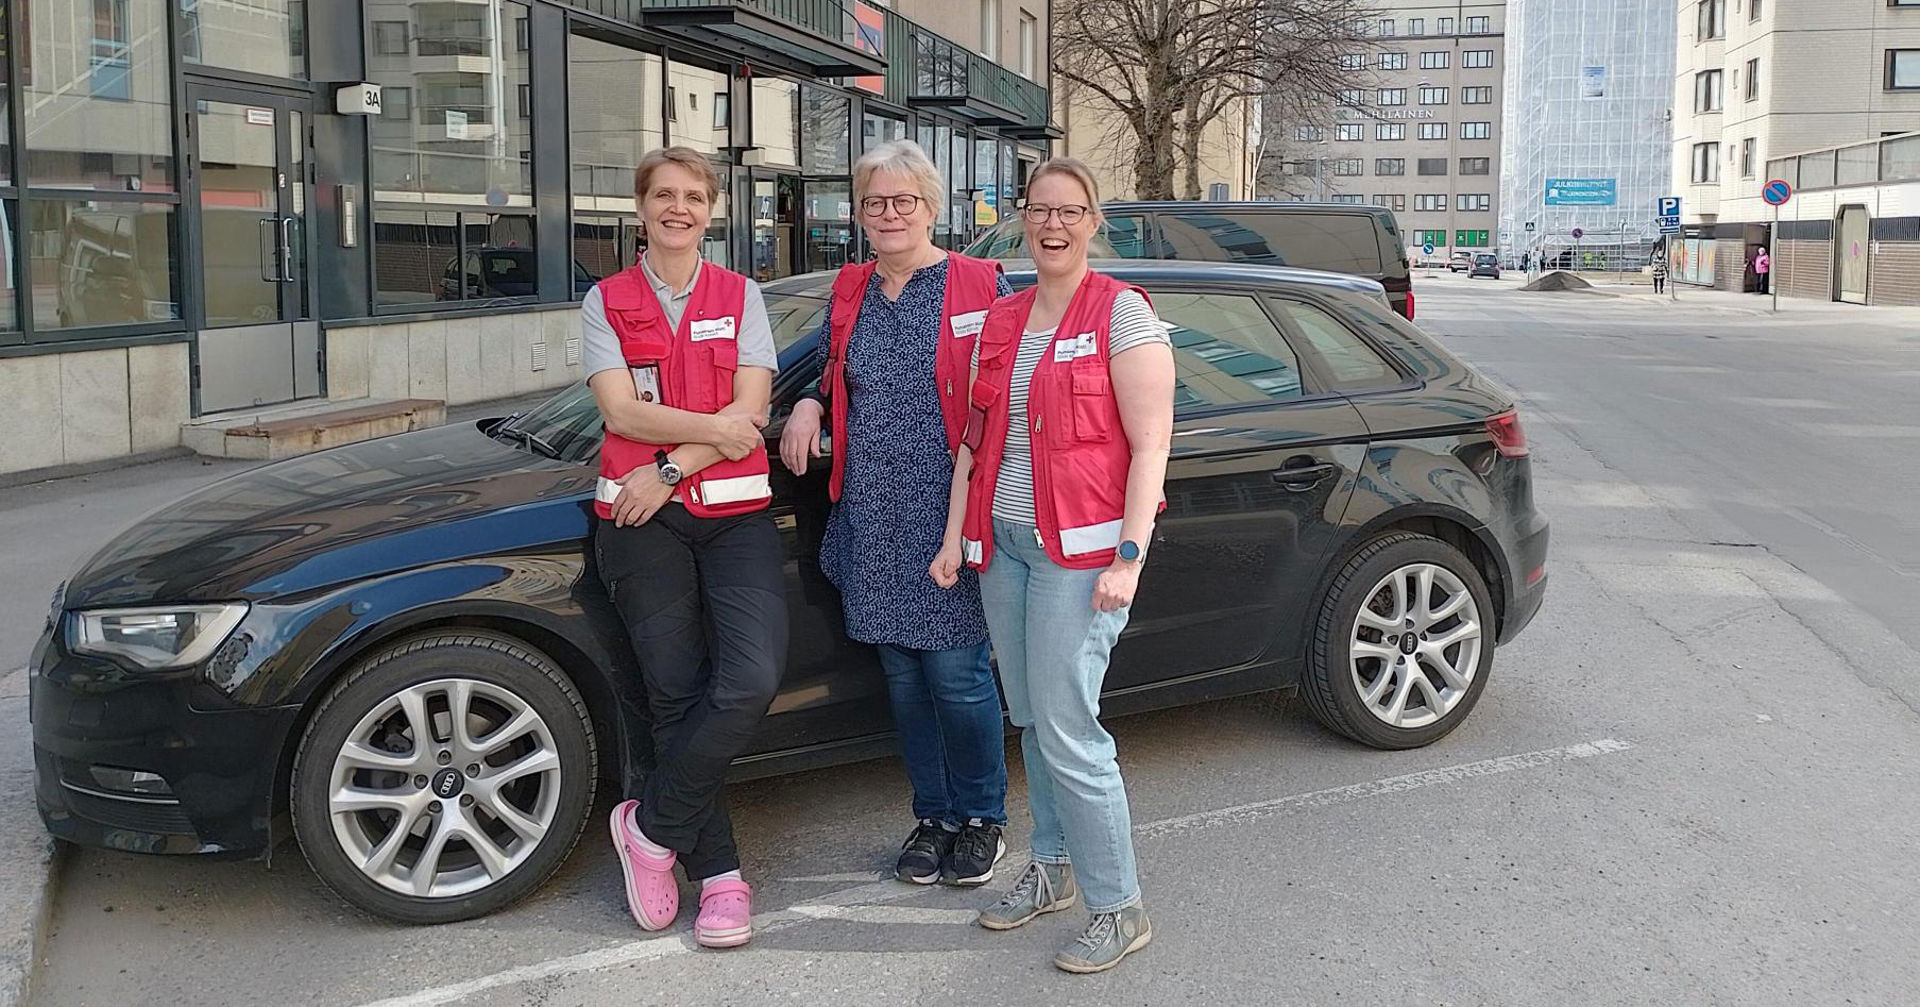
<point x="895" y="353"/>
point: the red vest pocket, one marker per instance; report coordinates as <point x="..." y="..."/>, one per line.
<point x="1094" y="410"/>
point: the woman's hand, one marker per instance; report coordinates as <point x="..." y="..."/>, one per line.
<point x="801" y="439"/>
<point x="945" y="568"/>
<point x="1114" y="590"/>
<point x="642" y="494"/>
<point x="735" y="435"/>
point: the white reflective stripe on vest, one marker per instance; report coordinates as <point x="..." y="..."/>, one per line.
<point x="976" y="553"/>
<point x="606" y="490"/>
<point x="719" y="492"/>
<point x="1090" y="538"/>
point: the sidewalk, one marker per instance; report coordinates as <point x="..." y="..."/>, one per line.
<point x="1759" y="305"/>
<point x="50" y="528"/>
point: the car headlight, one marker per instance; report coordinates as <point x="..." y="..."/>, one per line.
<point x="176" y="636"/>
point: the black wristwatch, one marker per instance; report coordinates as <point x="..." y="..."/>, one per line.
<point x="669" y="472"/>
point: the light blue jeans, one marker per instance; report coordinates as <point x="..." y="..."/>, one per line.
<point x="1052" y="648"/>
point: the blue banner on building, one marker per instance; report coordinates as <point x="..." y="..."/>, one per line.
<point x="1580" y="192"/>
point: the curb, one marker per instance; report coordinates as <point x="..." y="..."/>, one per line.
<point x="20" y="951"/>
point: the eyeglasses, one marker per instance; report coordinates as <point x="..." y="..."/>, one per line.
<point x="906" y="205"/>
<point x="1070" y="214"/>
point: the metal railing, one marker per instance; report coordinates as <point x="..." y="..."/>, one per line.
<point x="943" y="68"/>
<point x="1888" y="159"/>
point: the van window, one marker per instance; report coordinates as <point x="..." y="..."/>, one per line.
<point x="1336" y="242"/>
<point x="1121" y="238"/>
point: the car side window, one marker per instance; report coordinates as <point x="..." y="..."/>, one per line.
<point x="1226" y="351"/>
<point x="1351" y="364"/>
<point x="1127" y="237"/>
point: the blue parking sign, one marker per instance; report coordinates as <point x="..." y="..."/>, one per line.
<point x="1669" y="206"/>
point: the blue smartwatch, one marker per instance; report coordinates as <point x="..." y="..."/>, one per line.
<point x="1130" y="551"/>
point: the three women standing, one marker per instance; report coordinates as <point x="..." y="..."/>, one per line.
<point x="895" y="352"/>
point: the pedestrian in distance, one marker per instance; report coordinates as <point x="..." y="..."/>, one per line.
<point x="1072" y="416"/>
<point x="1659" y="274"/>
<point x="681" y="359"/>
<point x="1762" y="268"/>
<point x="895" y="353"/>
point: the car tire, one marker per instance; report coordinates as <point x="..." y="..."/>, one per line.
<point x="515" y="804"/>
<point x="1350" y="654"/>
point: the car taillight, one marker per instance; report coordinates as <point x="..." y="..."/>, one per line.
<point x="1507" y="435"/>
<point x="1409" y="302"/>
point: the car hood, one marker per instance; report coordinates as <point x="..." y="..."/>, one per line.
<point x="344" y="514"/>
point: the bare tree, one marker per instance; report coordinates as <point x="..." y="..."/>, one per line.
<point x="1173" y="68"/>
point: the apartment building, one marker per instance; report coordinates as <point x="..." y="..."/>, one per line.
<point x="1095" y="132"/>
<point x="1757" y="81"/>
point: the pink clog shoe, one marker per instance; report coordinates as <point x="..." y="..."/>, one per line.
<point x="726" y="915"/>
<point x="652" y="894"/>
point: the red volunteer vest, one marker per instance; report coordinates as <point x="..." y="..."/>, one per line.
<point x="972" y="286"/>
<point x="696" y="365"/>
<point x="1080" y="453"/>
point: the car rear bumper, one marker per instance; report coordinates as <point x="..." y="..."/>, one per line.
<point x="1528" y="587"/>
<point x="216" y="770"/>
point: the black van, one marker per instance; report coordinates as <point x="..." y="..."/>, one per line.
<point x="1336" y="237"/>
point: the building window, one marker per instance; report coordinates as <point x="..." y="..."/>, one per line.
<point x="1393" y="96"/>
<point x="1436" y="238"/>
<point x="673" y="103"/>
<point x="1386" y="27"/>
<point x="1350" y="197"/>
<point x="1446" y="26"/>
<point x="1711" y="16"/>
<point x="1474" y="131"/>
<point x="1433" y="166"/>
<point x="624" y="119"/>
<point x="1433" y="96"/>
<point x="1393" y="61"/>
<point x="1389" y="131"/>
<point x="1706" y="91"/>
<point x="1416" y="26"/>
<point x="521" y="41"/>
<point x="826" y="134"/>
<point x="1350" y="131"/>
<point x="1433" y="131"/>
<point x="1746" y="157"/>
<point x="1029" y="44"/>
<point x="1434" y="60"/>
<point x="1706" y="162"/>
<point x="990" y="29"/>
<point x="1476" y="166"/>
<point x="390" y="38"/>
<point x="1389" y="165"/>
<point x="1353" y="61"/>
<point x="1349" y="166"/>
<point x="396" y="103"/>
<point x="1753" y="79"/>
<point x="1309" y="134"/>
<point x="1396" y="203"/>
<point x="1476" y="95"/>
<point x="1753" y="9"/>
<point x="1478" y="59"/>
<point x="1903" y="69"/>
<point x="1352" y="96"/>
<point x="1473" y="202"/>
<point x="1477" y="26"/>
<point x="524" y="99"/>
<point x="1472" y="239"/>
<point x="1431" y="202"/>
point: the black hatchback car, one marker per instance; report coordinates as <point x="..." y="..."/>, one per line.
<point x="399" y="647"/>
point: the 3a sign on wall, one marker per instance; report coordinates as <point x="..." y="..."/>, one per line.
<point x="357" y="99"/>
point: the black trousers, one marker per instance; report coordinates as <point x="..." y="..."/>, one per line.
<point x="704" y="601"/>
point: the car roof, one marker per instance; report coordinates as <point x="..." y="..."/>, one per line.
<point x="1242" y="206"/>
<point x="1227" y="275"/>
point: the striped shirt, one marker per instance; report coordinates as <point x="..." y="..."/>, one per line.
<point x="1133" y="324"/>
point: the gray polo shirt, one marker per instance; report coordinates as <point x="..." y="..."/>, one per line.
<point x="600" y="345"/>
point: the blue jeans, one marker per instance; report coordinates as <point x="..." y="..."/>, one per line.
<point x="1052" y="648"/>
<point x="947" y="713"/>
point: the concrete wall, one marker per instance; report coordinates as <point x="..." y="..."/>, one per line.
<point x="71" y="408"/>
<point x="1894" y="276"/>
<point x="454" y="360"/>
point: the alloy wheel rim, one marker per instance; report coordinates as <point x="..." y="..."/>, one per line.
<point x="444" y="788"/>
<point x="1415" y="646"/>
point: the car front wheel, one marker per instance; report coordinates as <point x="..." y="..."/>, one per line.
<point x="1402" y="644"/>
<point x="444" y="778"/>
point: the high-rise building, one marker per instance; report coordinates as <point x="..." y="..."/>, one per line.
<point x="1589" y="89"/>
<point x="1418" y="131"/>
<point x="1759" y="80"/>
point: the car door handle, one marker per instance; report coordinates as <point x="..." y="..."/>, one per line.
<point x="1300" y="477"/>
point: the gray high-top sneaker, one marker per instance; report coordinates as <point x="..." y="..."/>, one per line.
<point x="1042" y="888"/>
<point x="1108" y="938"/>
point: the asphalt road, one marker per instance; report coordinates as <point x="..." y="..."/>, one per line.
<point x="1693" y="780"/>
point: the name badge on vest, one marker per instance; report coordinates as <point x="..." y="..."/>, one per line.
<point x="968" y="324"/>
<point x="646" y="382"/>
<point x="1082" y="345"/>
<point x="712" y="328"/>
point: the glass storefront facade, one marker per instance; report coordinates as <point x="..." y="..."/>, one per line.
<point x="173" y="169"/>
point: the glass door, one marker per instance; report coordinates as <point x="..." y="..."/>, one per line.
<point x="776" y="224"/>
<point x="258" y="342"/>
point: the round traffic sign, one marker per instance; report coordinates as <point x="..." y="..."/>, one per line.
<point x="1427" y="248"/>
<point x="1578" y="233"/>
<point x="1777" y="192"/>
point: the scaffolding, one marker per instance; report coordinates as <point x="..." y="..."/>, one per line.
<point x="1589" y="91"/>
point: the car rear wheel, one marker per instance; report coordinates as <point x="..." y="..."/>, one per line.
<point x="444" y="778"/>
<point x="1402" y="644"/>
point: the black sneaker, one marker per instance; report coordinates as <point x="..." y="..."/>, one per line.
<point x="975" y="851"/>
<point x="923" y="853"/>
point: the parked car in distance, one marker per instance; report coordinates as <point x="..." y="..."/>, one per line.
<point x="1485" y="264"/>
<point x="1336" y="237"/>
<point x="399" y="652"/>
<point x="500" y="271"/>
<point x="1459" y="262"/>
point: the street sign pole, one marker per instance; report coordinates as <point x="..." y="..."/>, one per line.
<point x="1773" y="245"/>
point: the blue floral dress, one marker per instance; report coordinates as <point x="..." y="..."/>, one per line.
<point x="892" y="513"/>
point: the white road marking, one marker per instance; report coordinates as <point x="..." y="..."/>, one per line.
<point x="867" y="903"/>
<point x="840" y="879"/>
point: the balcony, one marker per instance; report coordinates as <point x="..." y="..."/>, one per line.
<point x="955" y="80"/>
<point x="807" y="37"/>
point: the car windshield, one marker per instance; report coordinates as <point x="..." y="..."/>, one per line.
<point x="569" y="422"/>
